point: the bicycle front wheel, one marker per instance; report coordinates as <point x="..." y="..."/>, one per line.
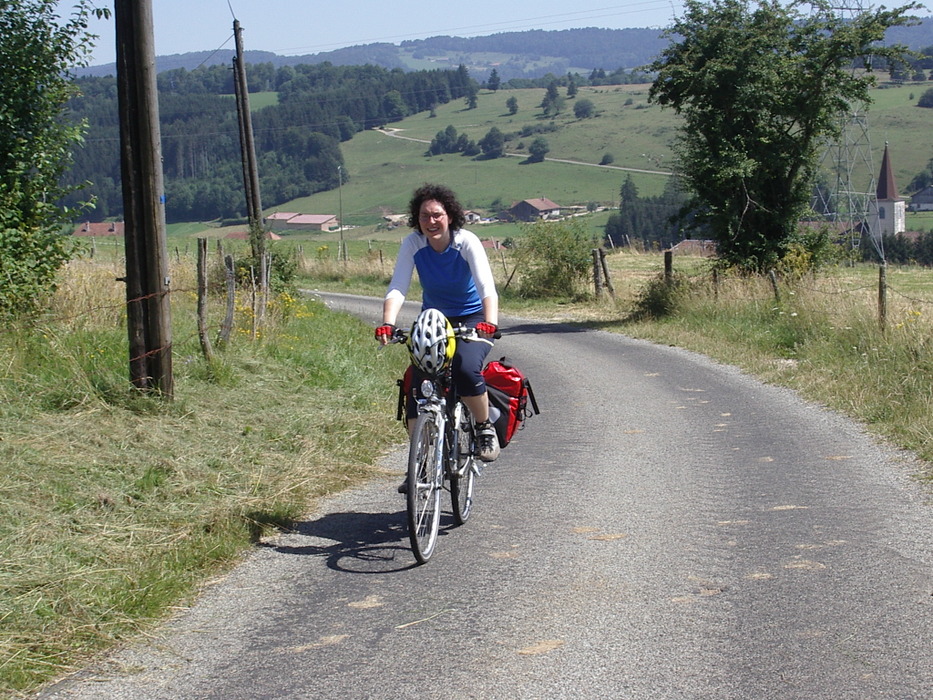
<point x="424" y="487"/>
<point x="463" y="474"/>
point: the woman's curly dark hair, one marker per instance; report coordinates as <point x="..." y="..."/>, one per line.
<point x="442" y="194"/>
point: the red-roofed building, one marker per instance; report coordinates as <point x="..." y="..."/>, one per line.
<point x="279" y="218"/>
<point x="534" y="209"/>
<point x="99" y="230"/>
<point x="288" y="221"/>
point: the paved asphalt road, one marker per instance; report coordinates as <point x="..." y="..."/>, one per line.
<point x="666" y="528"/>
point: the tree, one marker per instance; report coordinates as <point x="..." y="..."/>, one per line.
<point x="511" y="104"/>
<point x="628" y="193"/>
<point x="494" y="81"/>
<point x="493" y="143"/>
<point x="444" y="141"/>
<point x="926" y="99"/>
<point x="537" y="150"/>
<point x="553" y="103"/>
<point x="760" y="90"/>
<point x="471" y="96"/>
<point x="394" y="106"/>
<point x="584" y="109"/>
<point x="571" y="86"/>
<point x="38" y="52"/>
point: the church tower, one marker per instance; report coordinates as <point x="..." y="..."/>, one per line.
<point x="889" y="217"/>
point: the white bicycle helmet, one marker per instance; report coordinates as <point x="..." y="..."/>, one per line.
<point x="432" y="342"/>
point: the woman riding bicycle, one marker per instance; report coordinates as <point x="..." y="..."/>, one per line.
<point x="457" y="280"/>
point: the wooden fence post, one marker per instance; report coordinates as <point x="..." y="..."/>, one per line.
<point x="597" y="278"/>
<point x="227" y="327"/>
<point x="605" y="266"/>
<point x="668" y="267"/>
<point x="774" y="285"/>
<point x="883" y="297"/>
<point x="202" y="301"/>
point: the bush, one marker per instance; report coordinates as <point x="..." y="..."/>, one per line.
<point x="555" y="259"/>
<point x="38" y="48"/>
<point x="926" y="99"/>
<point x="659" y="298"/>
<point x="29" y="263"/>
<point x="584" y="109"/>
<point x="810" y="250"/>
<point x="284" y="267"/>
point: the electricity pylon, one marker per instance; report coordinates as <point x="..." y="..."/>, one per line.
<point x="852" y="185"/>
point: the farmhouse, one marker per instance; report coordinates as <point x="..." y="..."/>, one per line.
<point x="923" y="200"/>
<point x="534" y="209"/>
<point x="293" y="221"/>
<point x="278" y="219"/>
<point x="107" y="228"/>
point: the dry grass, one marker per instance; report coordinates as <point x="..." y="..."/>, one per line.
<point x="116" y="506"/>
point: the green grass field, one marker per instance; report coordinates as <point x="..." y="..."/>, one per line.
<point x="381" y="170"/>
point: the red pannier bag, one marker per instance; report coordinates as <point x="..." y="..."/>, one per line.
<point x="510" y="393"/>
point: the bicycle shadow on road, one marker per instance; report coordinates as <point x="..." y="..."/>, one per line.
<point x="357" y="543"/>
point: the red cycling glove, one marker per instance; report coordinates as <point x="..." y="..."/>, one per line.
<point x="386" y="330"/>
<point x="487" y="328"/>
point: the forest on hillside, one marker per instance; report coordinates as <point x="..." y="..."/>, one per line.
<point x="298" y="140"/>
<point x="319" y="106"/>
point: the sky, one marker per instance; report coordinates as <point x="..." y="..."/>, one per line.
<point x="296" y="27"/>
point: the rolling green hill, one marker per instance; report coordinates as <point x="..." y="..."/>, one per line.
<point x="382" y="167"/>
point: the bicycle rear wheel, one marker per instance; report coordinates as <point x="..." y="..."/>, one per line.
<point x="424" y="488"/>
<point x="463" y="479"/>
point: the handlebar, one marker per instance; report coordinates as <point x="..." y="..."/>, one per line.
<point x="461" y="332"/>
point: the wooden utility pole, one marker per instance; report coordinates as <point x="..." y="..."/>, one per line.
<point x="148" y="306"/>
<point x="248" y="151"/>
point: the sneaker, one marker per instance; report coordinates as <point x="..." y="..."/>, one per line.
<point x="487" y="442"/>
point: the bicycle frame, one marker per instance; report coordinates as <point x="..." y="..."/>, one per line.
<point x="442" y="445"/>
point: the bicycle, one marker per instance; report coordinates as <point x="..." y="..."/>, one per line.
<point x="442" y="448"/>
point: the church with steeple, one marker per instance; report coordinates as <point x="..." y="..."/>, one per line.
<point x="889" y="212"/>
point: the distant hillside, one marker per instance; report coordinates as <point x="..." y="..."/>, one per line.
<point x="529" y="54"/>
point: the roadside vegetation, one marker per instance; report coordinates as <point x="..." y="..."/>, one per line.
<point x="117" y="506"/>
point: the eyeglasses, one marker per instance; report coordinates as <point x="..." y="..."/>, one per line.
<point x="428" y="216"/>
